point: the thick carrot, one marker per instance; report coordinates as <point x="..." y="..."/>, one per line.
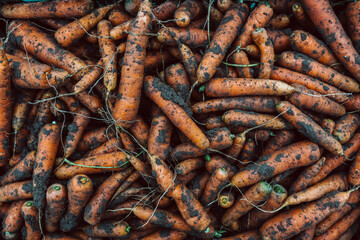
<point x="346" y="127"/>
<point x="307" y="127"/>
<point x="43" y="47"/>
<point x="53" y="9"/>
<point x="289" y="77"/>
<point x="216" y="162"/>
<point x="275" y="200"/>
<point x="281" y="139"/>
<point x="111" y="229"/>
<point x="307" y="234"/>
<point x="292" y="222"/>
<point x="252" y="119"/>
<point x="163" y="174"/>
<point x="252" y="196"/>
<point x="96" y="206"/>
<point x="247" y="153"/>
<point x="5" y="108"/>
<point x="176" y="77"/>
<point x="165" y="10"/>
<point x="89" y="78"/>
<point x="295" y="155"/>
<point x="94" y="138"/>
<point x="279" y="39"/>
<point x="251" y="235"/>
<point x="121" y="31"/>
<point x="118" y="16"/>
<point x="241" y="58"/>
<point x="189" y="165"/>
<point x="280" y="21"/>
<point x="192" y="37"/>
<point x="132" y="72"/>
<point x="107" y="50"/>
<point x="188" y="11"/>
<point x="172" y="105"/>
<point x="308" y="99"/>
<point x="352" y="11"/>
<point x="198" y="184"/>
<point x="267" y="54"/>
<point x="31" y="220"/>
<point x="354" y="171"/>
<point x="191" y="209"/>
<point x="350" y="232"/>
<point x="226" y="198"/>
<point x="97" y="164"/>
<point x="333" y="33"/>
<point x="79" y="189"/>
<point x="341" y="226"/>
<point x="73" y="31"/>
<point x="263" y="104"/>
<point x="216" y="183"/>
<point x="55" y="206"/>
<point x="166" y="234"/>
<point x="304" y="64"/>
<point x="223" y="37"/>
<point x="140" y="130"/>
<point x="49" y="140"/>
<point x="354" y="103"/>
<point x="13" y="221"/>
<point x="238" y="143"/>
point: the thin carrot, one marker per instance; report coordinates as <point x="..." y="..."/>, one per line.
<point x="79" y="190"/>
<point x="307" y="127"/>
<point x="111" y="229"/>
<point x="262" y="40"/>
<point x="295" y="155"/>
<point x="189" y="60"/>
<point x="13" y="221"/>
<point x="55" y="206"/>
<point x="223" y="37"/>
<point x="354" y="172"/>
<point x="118" y="16"/>
<point x="187" y="11"/>
<point x="31" y="219"/>
<point x="163" y="174"/>
<point x="192" y="37"/>
<point x="281" y="139"/>
<point x="351" y="11"/>
<point x="280" y="21"/>
<point x="214" y="186"/>
<point x="354" y="103"/>
<point x="333" y="33"/>
<point x="301" y="17"/>
<point x="346" y="127"/>
<point x="350" y="232"/>
<point x="247" y="153"/>
<point x="132" y="73"/>
<point x="94" y="138"/>
<point x="121" y="31"/>
<point x="109" y="146"/>
<point x="241" y="58"/>
<point x="197" y="185"/>
<point x="140" y="130"/>
<point x="238" y="143"/>
<point x="130" y="180"/>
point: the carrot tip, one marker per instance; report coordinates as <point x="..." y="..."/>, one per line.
<point x="84" y="180"/>
<point x="29" y="203"/>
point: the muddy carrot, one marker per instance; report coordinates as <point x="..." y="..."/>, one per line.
<point x="280" y="21"/>
<point x="163" y="174"/>
<point x="251" y="235"/>
<point x="94" y="138"/>
<point x="354" y="103"/>
<point x="248" y="152"/>
<point x="192" y="37"/>
<point x="176" y="77"/>
<point x="111" y="229"/>
<point x="214" y="186"/>
<point x="55" y="206"/>
<point x="346" y="127"/>
<point x="118" y="16"/>
<point x="262" y="40"/>
<point x="31" y="219"/>
<point x="281" y="139"/>
<point x="187" y="11"/>
<point x="354" y="172"/>
<point x="13" y="221"/>
<point x="351" y="11"/>
<point x="140" y="130"/>
<point x="226" y="198"/>
<point x="198" y="184"/>
<point x="189" y="165"/>
<point x="241" y="58"/>
<point x="166" y="234"/>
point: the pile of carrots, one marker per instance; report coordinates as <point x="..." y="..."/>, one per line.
<point x="180" y="119"/>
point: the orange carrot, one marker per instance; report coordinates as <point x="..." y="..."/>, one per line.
<point x="279" y="39"/>
<point x="278" y="22"/>
<point x="197" y="185"/>
<point x="140" y="130"/>
<point x="192" y="37"/>
<point x="55" y="206"/>
<point x="112" y="229"/>
<point x="166" y="234"/>
<point x="214" y="186"/>
<point x="13" y="221"/>
<point x="307" y="234"/>
<point x="109" y="146"/>
<point x="301" y="17"/>
<point x="94" y="138"/>
<point x="176" y="77"/>
<point x="31" y="219"/>
<point x="241" y="58"/>
<point x="251" y="235"/>
<point x="187" y="11"/>
<point x="247" y="153"/>
<point x="281" y="139"/>
<point x="354" y="103"/>
<point x="121" y="31"/>
<point x="118" y="16"/>
<point x="216" y="162"/>
<point x="346" y="127"/>
<point x="351" y="11"/>
<point x="354" y="172"/>
<point x="163" y="174"/>
<point x="262" y="40"/>
<point x="188" y="166"/>
<point x="132" y="73"/>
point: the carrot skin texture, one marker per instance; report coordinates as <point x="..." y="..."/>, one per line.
<point x="31" y="219"/>
<point x="267" y="53"/>
<point x="333" y="34"/>
<point x="187" y="11"/>
<point x="163" y="174"/>
<point x="13" y="220"/>
<point x="16" y="191"/>
<point x="108" y="229"/>
<point x="230" y="26"/>
<point x="282" y="139"/>
<point x="307" y="127"/>
<point x="346" y="127"/>
<point x="352" y="11"/>
<point x="55" y="206"/>
<point x="132" y="72"/>
<point x="251" y="235"/>
<point x="5" y="108"/>
<point x="215" y="184"/>
<point x="354" y="172"/>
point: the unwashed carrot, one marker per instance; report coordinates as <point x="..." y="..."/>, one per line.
<point x="241" y="58"/>
<point x="267" y="54"/>
<point x="280" y="21"/>
<point x="187" y="11"/>
<point x="189" y="165"/>
<point x="140" y="130"/>
<point x="281" y="139"/>
<point x="346" y="127"/>
<point x="112" y="229"/>
<point x="226" y="198"/>
<point x="176" y="77"/>
<point x="13" y="221"/>
<point x="55" y="206"/>
<point x="163" y="174"/>
<point x="118" y="16"/>
<point x="352" y="10"/>
<point x="354" y="172"/>
<point x="31" y="219"/>
<point x="354" y="103"/>
<point x="166" y="234"/>
<point x="213" y="187"/>
<point x="94" y="138"/>
<point x="192" y="37"/>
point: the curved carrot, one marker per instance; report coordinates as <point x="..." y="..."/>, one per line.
<point x="55" y="206"/>
<point x="189" y="165"/>
<point x="31" y="219"/>
<point x="267" y="54"/>
<point x="187" y="11"/>
<point x="165" y="10"/>
<point x="216" y="162"/>
<point x="13" y="221"/>
<point x="238" y="143"/>
<point x="111" y="229"/>
<point x="223" y="37"/>
<point x="307" y="127"/>
<point x="127" y="106"/>
<point x="214" y="186"/>
<point x="121" y="31"/>
<point x="346" y="127"/>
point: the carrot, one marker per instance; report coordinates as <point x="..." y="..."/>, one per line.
<point x="118" y="209"/>
<point x="214" y="122"/>
<point x="306" y="234"/>
<point x="215" y="14"/>
<point x="15" y="159"/>
<point x="5" y="108"/>
<point x="109" y="146"/>
<point x="305" y="153"/>
<point x="238" y="143"/>
<point x="252" y="196"/>
<point x="216" y="162"/>
<point x="251" y="235"/>
<point x="49" y="140"/>
<point x="43" y="47"/>
<point x="188" y="166"/>
<point x="304" y="178"/>
<point x="173" y="109"/>
<point x="13" y="221"/>
<point x="166" y="234"/>
<point x="108" y="54"/>
<point x="289" y="77"/>
<point x="323" y="226"/>
<point x="313" y="47"/>
<point x="127" y="141"/>
<point x="281" y="139"/>
<point x="197" y="186"/>
<point x="97" y="204"/>
<point x="292" y="222"/>
<point x="54" y="9"/>
<point x="354" y="171"/>
<point x="126" y="107"/>
<point x="252" y="51"/>
<point x="130" y="180"/>
<point x="79" y="190"/>
<point x="301" y="17"/>
<point x="353" y="104"/>
<point x="341" y="226"/>
<point x="118" y="16"/>
<point x="189" y="60"/>
<point x="97" y="164"/>
<point x="241" y="58"/>
<point x="303" y="64"/>
<point x="251" y="119"/>
<point x="278" y="22"/>
<point x="155" y="59"/>
<point x="248" y="152"/>
<point x="73" y="31"/>
<point x="121" y="31"/>
<point x="188" y="11"/>
<point x="232" y="87"/>
<point x="305" y="98"/>
<point x="279" y="39"/>
<point x="55" y="236"/>
<point x="307" y="127"/>
<point x="256" y="216"/>
<point x="31" y="220"/>
<point x="176" y="77"/>
<point x="21" y="109"/>
<point x="140" y="130"/>
<point x="94" y="138"/>
<point x="214" y="186"/>
<point x="21" y="171"/>
<point x="108" y="229"/>
<point x="263" y="104"/>
<point x="163" y="174"/>
<point x="350" y="232"/>
<point x="333" y="34"/>
<point x="226" y="198"/>
<point x="187" y="178"/>
<point x="220" y="138"/>
<point x="191" y="209"/>
<point x="225" y="34"/>
<point x="346" y="127"/>
<point x="55" y="206"/>
<point x="351" y="11"/>
<point x="192" y="37"/>
<point x="258" y="18"/>
<point x="125" y="195"/>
